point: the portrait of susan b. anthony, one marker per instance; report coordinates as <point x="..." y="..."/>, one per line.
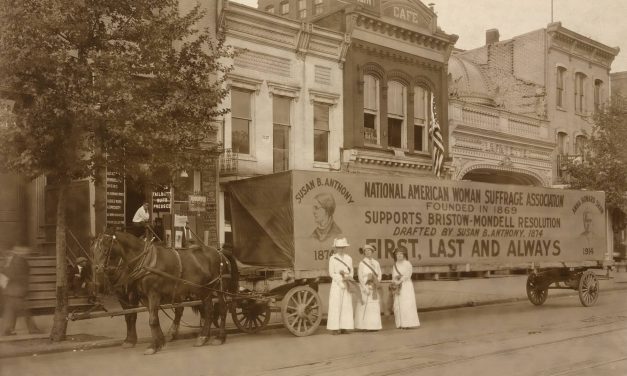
<point x="323" y="210"/>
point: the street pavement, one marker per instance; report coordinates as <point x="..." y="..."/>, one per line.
<point x="430" y="295"/>
<point x="515" y="339"/>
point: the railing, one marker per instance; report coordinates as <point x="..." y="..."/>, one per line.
<point x="564" y="160"/>
<point x="480" y="119"/>
<point x="501" y="121"/>
<point x="228" y="162"/>
<point x="370" y="136"/>
<point x="75" y="249"/>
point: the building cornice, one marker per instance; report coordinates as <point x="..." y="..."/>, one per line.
<point x="262" y="28"/>
<point x="386" y="53"/>
<point x="575" y="44"/>
<point x="498" y="136"/>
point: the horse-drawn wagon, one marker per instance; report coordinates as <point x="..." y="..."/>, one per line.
<point x="287" y="221"/>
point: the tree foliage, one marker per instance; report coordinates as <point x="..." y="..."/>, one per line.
<point x="133" y="85"/>
<point x="604" y="166"/>
<point x="133" y="79"/>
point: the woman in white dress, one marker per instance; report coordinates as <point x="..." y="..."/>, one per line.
<point x="368" y="311"/>
<point x="405" y="312"/>
<point x="340" y="315"/>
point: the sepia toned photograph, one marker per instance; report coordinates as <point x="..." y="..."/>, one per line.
<point x="313" y="187"/>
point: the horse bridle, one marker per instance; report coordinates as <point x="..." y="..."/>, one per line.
<point x="107" y="254"/>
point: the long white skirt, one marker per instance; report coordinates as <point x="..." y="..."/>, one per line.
<point x="405" y="311"/>
<point x="368" y="313"/>
<point x="340" y="315"/>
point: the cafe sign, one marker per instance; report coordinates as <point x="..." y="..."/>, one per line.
<point x="407" y="14"/>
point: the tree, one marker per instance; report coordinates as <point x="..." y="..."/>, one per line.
<point x="604" y="166"/>
<point x="128" y="85"/>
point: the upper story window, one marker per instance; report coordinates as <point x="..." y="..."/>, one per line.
<point x="270" y="9"/>
<point x="397" y="110"/>
<point x="562" y="145"/>
<point x="302" y="9"/>
<point x="598" y="87"/>
<point x="580" y="144"/>
<point x="421" y="116"/>
<point x="285" y="8"/>
<point x="281" y="121"/>
<point x="580" y="102"/>
<point x="318" y="7"/>
<point x="371" y="110"/>
<point x="241" y="120"/>
<point x="321" y="132"/>
<point x="559" y="98"/>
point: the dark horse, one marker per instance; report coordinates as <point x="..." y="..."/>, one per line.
<point x="159" y="275"/>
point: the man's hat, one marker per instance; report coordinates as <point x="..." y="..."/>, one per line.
<point x="80" y="259"/>
<point x="340" y="243"/>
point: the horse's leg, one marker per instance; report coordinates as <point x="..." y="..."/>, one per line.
<point x="130" y="318"/>
<point x="206" y="312"/>
<point x="158" y="339"/>
<point x="173" y="332"/>
<point x="221" y="338"/>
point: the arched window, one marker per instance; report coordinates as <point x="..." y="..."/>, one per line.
<point x="397" y="114"/>
<point x="598" y="86"/>
<point x="580" y="144"/>
<point x="562" y="145"/>
<point x="421" y="118"/>
<point x="580" y="102"/>
<point x="371" y="110"/>
<point x="559" y="95"/>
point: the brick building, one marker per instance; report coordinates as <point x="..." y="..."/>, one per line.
<point x="549" y="75"/>
<point x="618" y="82"/>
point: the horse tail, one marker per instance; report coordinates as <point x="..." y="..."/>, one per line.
<point x="199" y="310"/>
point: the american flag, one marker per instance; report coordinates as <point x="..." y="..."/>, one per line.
<point x="438" y="143"/>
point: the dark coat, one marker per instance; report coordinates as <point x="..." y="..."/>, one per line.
<point x="18" y="272"/>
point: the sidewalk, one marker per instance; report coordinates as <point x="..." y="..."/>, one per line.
<point x="430" y="295"/>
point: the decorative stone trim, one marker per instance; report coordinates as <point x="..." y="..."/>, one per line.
<point x="275" y="88"/>
<point x="502" y="167"/>
<point x="382" y="53"/>
<point x="243" y="82"/>
<point x="323" y="97"/>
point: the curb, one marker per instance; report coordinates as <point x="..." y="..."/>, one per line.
<point x="67" y="346"/>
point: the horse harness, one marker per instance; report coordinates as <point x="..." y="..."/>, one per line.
<point x="143" y="264"/>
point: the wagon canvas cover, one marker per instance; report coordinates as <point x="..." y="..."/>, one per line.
<point x="290" y="220"/>
<point x="262" y="220"/>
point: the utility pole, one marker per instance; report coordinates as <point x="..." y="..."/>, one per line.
<point x="551" y="11"/>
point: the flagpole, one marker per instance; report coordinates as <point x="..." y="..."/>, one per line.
<point x="551" y="11"/>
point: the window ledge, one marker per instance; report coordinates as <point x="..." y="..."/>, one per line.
<point x="325" y="165"/>
<point x="246" y="157"/>
<point x="560" y="108"/>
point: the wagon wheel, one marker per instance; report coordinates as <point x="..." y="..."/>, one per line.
<point x="250" y="315"/>
<point x="588" y="288"/>
<point x="537" y="292"/>
<point x="301" y="309"/>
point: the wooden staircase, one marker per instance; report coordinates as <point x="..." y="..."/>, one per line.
<point x="42" y="287"/>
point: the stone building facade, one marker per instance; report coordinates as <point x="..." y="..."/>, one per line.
<point x="396" y="61"/>
<point x="286" y="96"/>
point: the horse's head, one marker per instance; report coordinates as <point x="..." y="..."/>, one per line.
<point x="104" y="249"/>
